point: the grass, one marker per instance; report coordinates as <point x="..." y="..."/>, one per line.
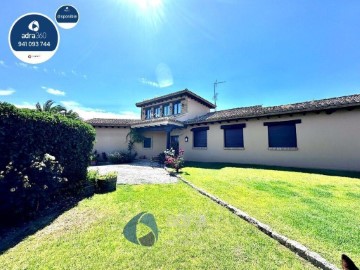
<point x="320" y="211"/>
<point x="195" y="233"/>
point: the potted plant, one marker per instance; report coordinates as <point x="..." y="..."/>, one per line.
<point x="90" y="183"/>
<point x="107" y="182"/>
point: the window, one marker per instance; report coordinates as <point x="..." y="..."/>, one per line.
<point x="233" y="135"/>
<point x="177" y="107"/>
<point x="200" y="136"/>
<point x="157" y="112"/>
<point x="148" y="113"/>
<point x="282" y="134"/>
<point x="166" y="109"/>
<point x="147" y="142"/>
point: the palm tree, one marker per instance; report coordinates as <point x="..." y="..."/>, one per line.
<point x="71" y="114"/>
<point x="48" y="106"/>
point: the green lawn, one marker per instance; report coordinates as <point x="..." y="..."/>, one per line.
<point x="195" y="233"/>
<point x="320" y="211"/>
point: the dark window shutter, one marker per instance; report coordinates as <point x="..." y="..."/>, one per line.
<point x="200" y="138"/>
<point x="282" y="135"/>
<point x="234" y="137"/>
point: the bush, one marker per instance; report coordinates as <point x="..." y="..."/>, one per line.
<point x="119" y="157"/>
<point x="174" y="161"/>
<point x="102" y="182"/>
<point x="162" y="158"/>
<point x="25" y="188"/>
<point x="27" y="135"/>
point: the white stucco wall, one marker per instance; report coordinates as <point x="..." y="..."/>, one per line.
<point x="158" y="144"/>
<point x="324" y="141"/>
<point x="111" y="139"/>
<point x="194" y="109"/>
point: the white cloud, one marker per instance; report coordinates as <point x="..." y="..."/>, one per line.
<point x="88" y="113"/>
<point x="163" y="76"/>
<point x="2" y="63"/>
<point x="53" y="91"/>
<point x="151" y="83"/>
<point x="26" y="105"/>
<point x="21" y="64"/>
<point x="7" y="92"/>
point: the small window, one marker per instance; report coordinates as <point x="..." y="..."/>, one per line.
<point x="147" y="142"/>
<point x="148" y="113"/>
<point x="282" y="134"/>
<point x="157" y="112"/>
<point x="166" y="109"/>
<point x="200" y="136"/>
<point x="177" y="107"/>
<point x="233" y="135"/>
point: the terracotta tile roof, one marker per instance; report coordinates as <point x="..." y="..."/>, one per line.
<point x="129" y="122"/>
<point x="111" y="122"/>
<point x="258" y="111"/>
<point x="155" y="120"/>
<point x="174" y="95"/>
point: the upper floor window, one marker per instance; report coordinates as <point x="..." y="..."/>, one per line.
<point x="166" y="109"/>
<point x="157" y="112"/>
<point x="282" y="134"/>
<point x="148" y="113"/>
<point x="177" y="107"/>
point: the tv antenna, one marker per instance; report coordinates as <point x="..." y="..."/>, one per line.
<point x="215" y="93"/>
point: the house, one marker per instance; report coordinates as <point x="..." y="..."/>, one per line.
<point x="322" y="134"/>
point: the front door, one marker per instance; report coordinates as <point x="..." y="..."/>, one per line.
<point x="174" y="143"/>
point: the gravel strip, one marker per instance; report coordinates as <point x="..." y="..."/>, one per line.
<point x="138" y="172"/>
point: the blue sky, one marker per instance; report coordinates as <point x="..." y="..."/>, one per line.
<point x="125" y="51"/>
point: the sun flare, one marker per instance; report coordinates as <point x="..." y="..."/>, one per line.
<point x="147" y="4"/>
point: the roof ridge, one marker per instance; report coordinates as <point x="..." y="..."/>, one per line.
<point x="184" y="91"/>
<point x="259" y="111"/>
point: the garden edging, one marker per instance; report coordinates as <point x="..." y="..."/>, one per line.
<point x="296" y="247"/>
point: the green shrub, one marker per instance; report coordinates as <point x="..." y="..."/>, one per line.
<point x="107" y="176"/>
<point x="119" y="157"/>
<point x="27" y="134"/>
<point x="92" y="175"/>
<point x="106" y="182"/>
<point x="162" y="158"/>
<point x="25" y="188"/>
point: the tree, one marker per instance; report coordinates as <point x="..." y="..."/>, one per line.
<point x="49" y="106"/>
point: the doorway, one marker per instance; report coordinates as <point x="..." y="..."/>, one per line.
<point x="174" y="144"/>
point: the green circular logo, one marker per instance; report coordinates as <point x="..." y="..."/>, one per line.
<point x="142" y="230"/>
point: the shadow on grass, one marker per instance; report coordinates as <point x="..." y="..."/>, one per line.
<point x="209" y="165"/>
<point x="10" y="236"/>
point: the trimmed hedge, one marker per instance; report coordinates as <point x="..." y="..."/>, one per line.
<point x="25" y="134"/>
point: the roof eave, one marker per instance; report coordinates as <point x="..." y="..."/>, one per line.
<point x="245" y="117"/>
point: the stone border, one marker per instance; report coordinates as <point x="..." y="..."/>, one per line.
<point x="293" y="245"/>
